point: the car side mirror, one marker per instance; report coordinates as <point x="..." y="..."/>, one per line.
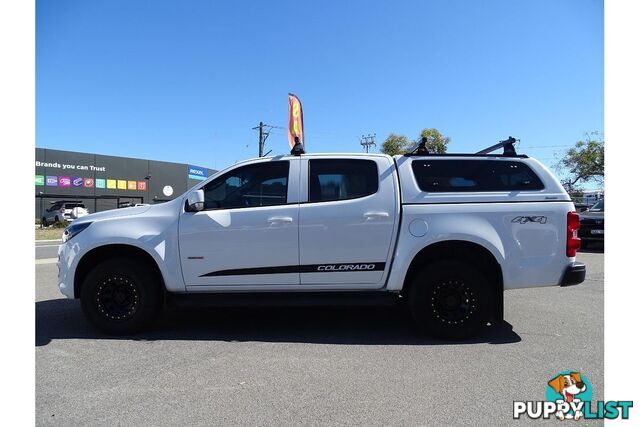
<point x="195" y="201"/>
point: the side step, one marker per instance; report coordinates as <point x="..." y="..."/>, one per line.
<point x="284" y="299"/>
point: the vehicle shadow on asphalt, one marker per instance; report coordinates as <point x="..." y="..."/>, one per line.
<point x="63" y="319"/>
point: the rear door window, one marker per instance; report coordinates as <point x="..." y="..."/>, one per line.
<point x="341" y="179"/>
<point x="474" y="176"/>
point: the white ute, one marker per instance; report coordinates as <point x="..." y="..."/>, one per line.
<point x="445" y="233"/>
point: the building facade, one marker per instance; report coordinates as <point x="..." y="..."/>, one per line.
<point x="108" y="182"/>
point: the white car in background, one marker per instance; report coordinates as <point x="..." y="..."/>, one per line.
<point x="63" y="210"/>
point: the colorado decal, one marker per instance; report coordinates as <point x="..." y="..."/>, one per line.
<point x="311" y="268"/>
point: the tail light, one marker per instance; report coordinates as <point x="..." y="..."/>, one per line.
<point x="573" y="241"/>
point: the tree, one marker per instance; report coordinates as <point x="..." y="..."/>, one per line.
<point x="400" y="144"/>
<point x="395" y="144"/>
<point x="583" y="162"/>
<point x="436" y="142"/>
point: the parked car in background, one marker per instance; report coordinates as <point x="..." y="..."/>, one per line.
<point x="130" y="204"/>
<point x="592" y="224"/>
<point x="64" y="210"/>
<point x="580" y="206"/>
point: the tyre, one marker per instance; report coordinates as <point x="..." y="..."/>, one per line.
<point x="56" y="219"/>
<point x="450" y="300"/>
<point x="43" y="222"/>
<point x="120" y="296"/>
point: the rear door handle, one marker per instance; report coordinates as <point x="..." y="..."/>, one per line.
<point x="376" y="215"/>
<point x="280" y="220"/>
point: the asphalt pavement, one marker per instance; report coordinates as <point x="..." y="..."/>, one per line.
<point x="313" y="366"/>
<point x="47" y="250"/>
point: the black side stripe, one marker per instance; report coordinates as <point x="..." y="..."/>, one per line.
<point x="351" y="267"/>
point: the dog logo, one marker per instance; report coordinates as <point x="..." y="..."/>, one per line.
<point x="569" y="386"/>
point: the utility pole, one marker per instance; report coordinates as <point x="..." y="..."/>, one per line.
<point x="263" y="134"/>
<point x="368" y="141"/>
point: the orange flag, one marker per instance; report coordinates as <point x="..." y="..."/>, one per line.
<point x="296" y="127"/>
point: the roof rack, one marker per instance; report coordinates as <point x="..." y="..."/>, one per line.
<point x="298" y="148"/>
<point x="507" y="144"/>
<point x="420" y="149"/>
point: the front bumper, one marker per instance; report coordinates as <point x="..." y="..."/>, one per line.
<point x="66" y="268"/>
<point x="574" y="274"/>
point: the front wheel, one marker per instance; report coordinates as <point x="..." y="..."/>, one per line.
<point x="119" y="297"/>
<point x="450" y="299"/>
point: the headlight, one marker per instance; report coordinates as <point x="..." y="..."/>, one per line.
<point x="73" y="229"/>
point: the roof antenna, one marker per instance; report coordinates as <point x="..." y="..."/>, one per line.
<point x="298" y="148"/>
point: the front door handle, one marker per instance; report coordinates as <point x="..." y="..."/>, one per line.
<point x="280" y="220"/>
<point x="376" y="215"/>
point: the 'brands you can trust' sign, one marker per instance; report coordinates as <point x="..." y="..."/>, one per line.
<point x="198" y="173"/>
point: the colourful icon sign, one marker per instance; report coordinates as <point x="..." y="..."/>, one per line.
<point x="77" y="181"/>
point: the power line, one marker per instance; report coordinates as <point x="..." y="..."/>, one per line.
<point x="546" y="146"/>
<point x="368" y="141"/>
<point x="264" y="131"/>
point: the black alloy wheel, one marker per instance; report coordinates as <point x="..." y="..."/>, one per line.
<point x="117" y="298"/>
<point x="451" y="299"/>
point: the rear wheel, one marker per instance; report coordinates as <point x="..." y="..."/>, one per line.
<point x="450" y="299"/>
<point x="119" y="296"/>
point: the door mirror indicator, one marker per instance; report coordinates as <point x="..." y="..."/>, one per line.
<point x="195" y="201"/>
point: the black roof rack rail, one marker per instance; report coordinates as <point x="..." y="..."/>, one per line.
<point x="507" y="144"/>
<point x="420" y="149"/>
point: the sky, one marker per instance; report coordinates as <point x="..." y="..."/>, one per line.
<point x="186" y="81"/>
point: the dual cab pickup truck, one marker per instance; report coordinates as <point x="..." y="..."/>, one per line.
<point x="447" y="234"/>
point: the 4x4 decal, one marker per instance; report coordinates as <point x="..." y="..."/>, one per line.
<point x="525" y="219"/>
